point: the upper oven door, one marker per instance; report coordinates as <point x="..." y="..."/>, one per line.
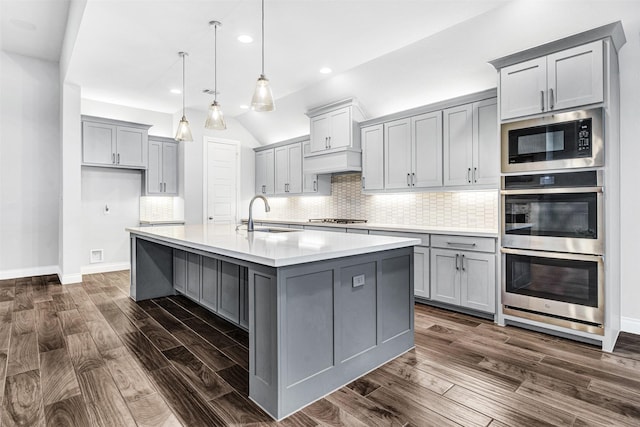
<point x="556" y="219"/>
<point x="560" y="141"/>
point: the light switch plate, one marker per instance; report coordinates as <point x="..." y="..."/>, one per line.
<point x="358" y="280"/>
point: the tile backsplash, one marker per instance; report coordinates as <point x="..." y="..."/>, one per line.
<point x="161" y="208"/>
<point x="463" y="209"/>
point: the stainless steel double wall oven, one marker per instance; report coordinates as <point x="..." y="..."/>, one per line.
<point x="552" y="227"/>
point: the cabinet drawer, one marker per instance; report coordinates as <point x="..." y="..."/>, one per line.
<point x="467" y="243"/>
<point x="424" y="238"/>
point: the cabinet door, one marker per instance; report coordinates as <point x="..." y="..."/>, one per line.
<point x="427" y="150"/>
<point x="170" y="168"/>
<point x="445" y="276"/>
<point x="261" y="172"/>
<point x="193" y="276"/>
<point x="154" y="169"/>
<point x="179" y="270"/>
<point x="229" y="291"/>
<point x="98" y="143"/>
<point x="397" y="154"/>
<point x="421" y="271"/>
<point x="486" y="145"/>
<point x="295" y="168"/>
<point x="340" y="128"/>
<point x="281" y="169"/>
<point x="478" y="281"/>
<point x="575" y="76"/>
<point x="319" y="133"/>
<point x="373" y="157"/>
<point x="522" y="88"/>
<point x="209" y="288"/>
<point x="244" y="297"/>
<point x="130" y="147"/>
<point x="458" y="145"/>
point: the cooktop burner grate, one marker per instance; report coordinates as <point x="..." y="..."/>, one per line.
<point x="338" y="220"/>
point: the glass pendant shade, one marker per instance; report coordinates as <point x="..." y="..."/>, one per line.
<point x="263" y="97"/>
<point x="215" y="118"/>
<point x="184" y="131"/>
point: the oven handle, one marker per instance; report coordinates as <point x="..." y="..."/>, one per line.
<point x="554" y="255"/>
<point x="563" y="190"/>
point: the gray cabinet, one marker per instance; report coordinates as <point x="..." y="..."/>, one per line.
<point x="186" y="273"/>
<point x="471" y="146"/>
<point x="179" y="270"/>
<point x="332" y="130"/>
<point x="288" y="169"/>
<point x="265" y="172"/>
<point x="463" y="272"/>
<point x="566" y="79"/>
<point x="229" y="291"/>
<point x="161" y="176"/>
<point x="314" y="184"/>
<point x="372" y="139"/>
<point x="209" y="288"/>
<point x="114" y="143"/>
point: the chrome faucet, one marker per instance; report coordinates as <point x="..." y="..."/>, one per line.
<point x="267" y="208"/>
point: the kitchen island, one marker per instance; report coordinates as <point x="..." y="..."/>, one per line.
<point x="322" y="309"/>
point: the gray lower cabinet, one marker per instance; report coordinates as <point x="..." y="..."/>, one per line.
<point x="218" y="285"/>
<point x="466" y="278"/>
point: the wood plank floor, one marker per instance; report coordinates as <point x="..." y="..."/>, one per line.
<point x="86" y="355"/>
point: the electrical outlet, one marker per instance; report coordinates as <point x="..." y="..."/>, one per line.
<point x="358" y="281"/>
<point x="96" y="255"/>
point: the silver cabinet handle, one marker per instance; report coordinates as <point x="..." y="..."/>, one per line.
<point x="264" y="189"/>
<point x="408" y="180"/>
<point x="413" y="179"/>
<point x="541" y="100"/>
<point x="160" y="190"/>
<point x="315" y="185"/>
<point x="462" y="262"/>
<point x="326" y="142"/>
<point x="551" y="98"/>
<point x="118" y="158"/>
<point x="210" y="218"/>
<point x="329" y="142"/>
<point x="469" y="175"/>
<point x="474" y="174"/>
<point x="457" y="256"/>
<point x="363" y="185"/>
<point x="165" y="187"/>
<point x="113" y="158"/>
<point x="461" y="244"/>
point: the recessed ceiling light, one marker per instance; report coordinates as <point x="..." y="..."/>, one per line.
<point x="245" y="38"/>
<point x="176" y="91"/>
<point x="326" y="70"/>
<point x="244" y="107"/>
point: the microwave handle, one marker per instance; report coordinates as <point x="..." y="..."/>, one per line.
<point x="565" y="190"/>
<point x="541" y="100"/>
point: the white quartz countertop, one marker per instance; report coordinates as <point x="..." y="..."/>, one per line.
<point x="272" y="249"/>
<point x="458" y="231"/>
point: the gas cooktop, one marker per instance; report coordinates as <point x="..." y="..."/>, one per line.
<point x="338" y="220"/>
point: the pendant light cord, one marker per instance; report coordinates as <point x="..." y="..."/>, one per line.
<point x="183" y="80"/>
<point x="263" y="37"/>
<point x="215" y="63"/>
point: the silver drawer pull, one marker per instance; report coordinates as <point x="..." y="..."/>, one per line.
<point x="461" y="244"/>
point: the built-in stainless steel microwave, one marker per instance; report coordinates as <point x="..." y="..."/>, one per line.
<point x="560" y="141"/>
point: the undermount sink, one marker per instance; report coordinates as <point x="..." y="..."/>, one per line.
<point x="275" y="230"/>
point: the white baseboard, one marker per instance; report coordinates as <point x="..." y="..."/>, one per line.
<point x="28" y="272"/>
<point x="68" y="279"/>
<point x="631" y="325"/>
<point x="104" y="268"/>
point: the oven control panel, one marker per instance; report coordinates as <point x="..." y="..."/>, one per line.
<point x="584" y="139"/>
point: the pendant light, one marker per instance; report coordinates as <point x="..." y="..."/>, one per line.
<point x="184" y="132"/>
<point x="215" y="118"/>
<point x="262" y="98"/>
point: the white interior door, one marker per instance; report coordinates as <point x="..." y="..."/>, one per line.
<point x="222" y="182"/>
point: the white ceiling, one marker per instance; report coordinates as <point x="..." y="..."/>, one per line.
<point x="126" y="51"/>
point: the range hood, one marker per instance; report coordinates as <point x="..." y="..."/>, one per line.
<point x="345" y="160"/>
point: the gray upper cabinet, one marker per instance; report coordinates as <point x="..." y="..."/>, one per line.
<point x="372" y="139"/>
<point x="114" y="143"/>
<point x="566" y="79"/>
<point x="288" y="169"/>
<point x="471" y="146"/>
<point x="265" y="173"/>
<point x="161" y="177"/>
<point x="313" y="183"/>
<point x="332" y="130"/>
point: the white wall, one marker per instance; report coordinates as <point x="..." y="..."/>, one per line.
<point x="193" y="152"/>
<point x="29" y="166"/>
<point x="162" y="122"/>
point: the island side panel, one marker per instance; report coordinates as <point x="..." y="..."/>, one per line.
<point x="330" y="321"/>
<point x="151" y="270"/>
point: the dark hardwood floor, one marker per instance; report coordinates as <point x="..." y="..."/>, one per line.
<point x="86" y="355"/>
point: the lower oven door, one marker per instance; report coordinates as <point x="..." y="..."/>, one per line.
<point x="563" y="286"/>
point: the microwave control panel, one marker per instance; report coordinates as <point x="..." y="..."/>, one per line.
<point x="584" y="138"/>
